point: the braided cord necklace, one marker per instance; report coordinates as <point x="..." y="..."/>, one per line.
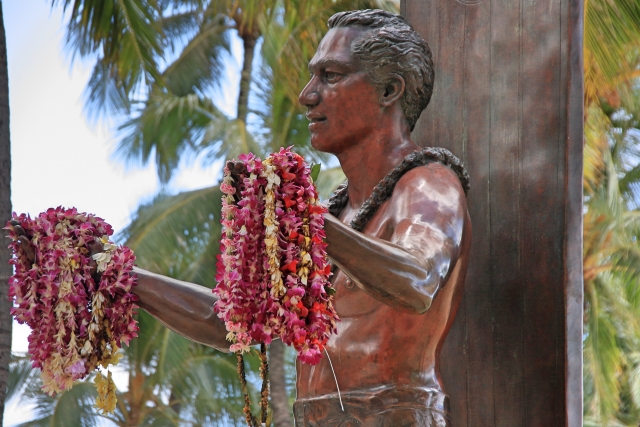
<point x="384" y="189"/>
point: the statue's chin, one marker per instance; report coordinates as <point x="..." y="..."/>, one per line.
<point x="318" y="142"/>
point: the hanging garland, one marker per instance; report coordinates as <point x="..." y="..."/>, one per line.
<point x="78" y="319"/>
<point x="273" y="269"/>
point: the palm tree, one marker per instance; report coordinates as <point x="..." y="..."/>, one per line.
<point x="611" y="60"/>
<point x="612" y="327"/>
<point x="611" y="251"/>
<point x="5" y="213"/>
<point x="179" y="116"/>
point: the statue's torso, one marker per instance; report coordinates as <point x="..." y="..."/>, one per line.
<point x="378" y="345"/>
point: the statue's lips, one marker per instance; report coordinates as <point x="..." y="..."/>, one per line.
<point x="316" y="120"/>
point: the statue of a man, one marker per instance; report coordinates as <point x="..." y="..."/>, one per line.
<point x="400" y="276"/>
<point x="400" y="280"/>
<point x="399" y="285"/>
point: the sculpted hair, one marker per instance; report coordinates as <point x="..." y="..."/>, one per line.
<point x="392" y="48"/>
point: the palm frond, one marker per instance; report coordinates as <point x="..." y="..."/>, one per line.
<point x="125" y="36"/>
<point x="596" y="143"/>
<point x="104" y="93"/>
<point x="171" y="127"/>
<point x="204" y="375"/>
<point x="73" y="407"/>
<point x="172" y="232"/>
<point x="21" y="376"/>
<point x="305" y="23"/>
<point x="229" y="141"/>
<point x="612" y="31"/>
<point x="180" y="26"/>
<point x="612" y="297"/>
<point x="201" y="61"/>
<point x="602" y="360"/>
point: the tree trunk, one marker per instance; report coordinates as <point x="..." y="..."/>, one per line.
<point x="5" y="214"/>
<point x="279" y="398"/>
<point x="249" y="44"/>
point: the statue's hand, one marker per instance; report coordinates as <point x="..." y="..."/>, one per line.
<point x="237" y="170"/>
<point x="27" y="247"/>
<point x="25" y="242"/>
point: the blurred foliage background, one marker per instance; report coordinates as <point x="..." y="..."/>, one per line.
<point x="158" y="65"/>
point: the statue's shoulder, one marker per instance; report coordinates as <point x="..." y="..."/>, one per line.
<point x="431" y="171"/>
<point x="424" y="179"/>
<point x="432" y="182"/>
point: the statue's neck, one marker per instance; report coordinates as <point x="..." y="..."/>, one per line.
<point x="367" y="163"/>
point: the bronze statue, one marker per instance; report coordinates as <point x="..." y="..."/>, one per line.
<point x="400" y="280"/>
<point x="402" y="259"/>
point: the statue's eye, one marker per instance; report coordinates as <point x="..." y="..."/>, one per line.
<point x="332" y="77"/>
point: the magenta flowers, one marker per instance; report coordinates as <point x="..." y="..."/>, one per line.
<point x="273" y="270"/>
<point x="76" y="323"/>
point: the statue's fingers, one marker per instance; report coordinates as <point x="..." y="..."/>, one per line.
<point x="236" y="169"/>
<point x="93" y="265"/>
<point x="240" y="168"/>
<point x="19" y="230"/>
<point x="27" y="247"/>
<point x="95" y="247"/>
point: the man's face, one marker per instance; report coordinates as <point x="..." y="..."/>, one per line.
<point x="342" y="105"/>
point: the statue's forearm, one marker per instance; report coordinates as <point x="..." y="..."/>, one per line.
<point x="386" y="271"/>
<point x="182" y="307"/>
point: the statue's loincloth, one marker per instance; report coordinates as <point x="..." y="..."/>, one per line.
<point x="385" y="407"/>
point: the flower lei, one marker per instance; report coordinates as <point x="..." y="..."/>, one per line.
<point x="273" y="271"/>
<point x="77" y="324"/>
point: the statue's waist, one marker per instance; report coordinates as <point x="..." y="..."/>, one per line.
<point x="357" y="371"/>
<point x="380" y="407"/>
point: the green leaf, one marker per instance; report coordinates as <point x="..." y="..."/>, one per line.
<point x="329" y="180"/>
<point x="315" y="171"/>
<point x="172" y="127"/>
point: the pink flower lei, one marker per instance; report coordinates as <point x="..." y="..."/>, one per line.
<point x="273" y="270"/>
<point x="76" y="323"/>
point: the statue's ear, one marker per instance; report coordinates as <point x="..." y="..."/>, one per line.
<point x="392" y="92"/>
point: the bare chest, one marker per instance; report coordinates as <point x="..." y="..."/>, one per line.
<point x="350" y="300"/>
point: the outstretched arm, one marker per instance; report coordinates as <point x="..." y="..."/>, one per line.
<point x="429" y="214"/>
<point x="183" y="307"/>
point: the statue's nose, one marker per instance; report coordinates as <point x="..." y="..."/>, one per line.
<point x="309" y="97"/>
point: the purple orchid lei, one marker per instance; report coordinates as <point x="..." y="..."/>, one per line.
<point x="76" y="323"/>
<point x="273" y="269"/>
